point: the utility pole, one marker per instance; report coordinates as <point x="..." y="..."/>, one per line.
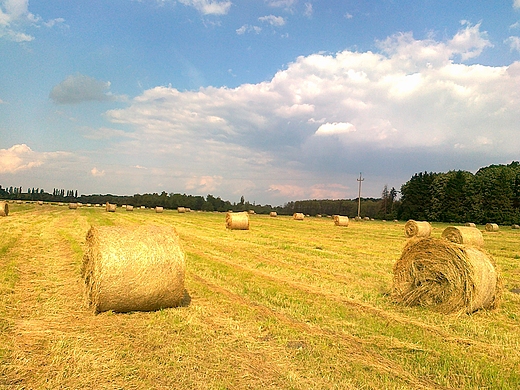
<point x="359" y="195"/>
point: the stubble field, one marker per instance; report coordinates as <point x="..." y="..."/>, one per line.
<point x="285" y="305"/>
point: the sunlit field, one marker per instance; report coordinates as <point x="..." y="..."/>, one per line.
<point x="285" y="305"/>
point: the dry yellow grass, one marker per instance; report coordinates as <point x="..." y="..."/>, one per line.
<point x="285" y="306"/>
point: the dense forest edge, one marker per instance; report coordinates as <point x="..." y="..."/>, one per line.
<point x="492" y="194"/>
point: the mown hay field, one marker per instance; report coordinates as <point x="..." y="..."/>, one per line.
<point x="284" y="305"/>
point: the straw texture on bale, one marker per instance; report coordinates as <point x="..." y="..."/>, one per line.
<point x="464" y="235"/>
<point x="181" y="209"/>
<point x="129" y="208"/>
<point x="298" y="216"/>
<point x="137" y="268"/>
<point x="159" y="209"/>
<point x="73" y="206"/>
<point x="4" y="209"/>
<point x="491" y="227"/>
<point x="237" y="221"/>
<point x="470" y="224"/>
<point x="421" y="229"/>
<point x="340" y="220"/>
<point x="446" y="277"/>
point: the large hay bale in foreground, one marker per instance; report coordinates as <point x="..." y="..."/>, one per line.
<point x="420" y="229"/>
<point x="4" y="209"/>
<point x="464" y="235"/>
<point x="340" y="220"/>
<point x="237" y="221"/>
<point x="446" y="277"/>
<point x="298" y="216"/>
<point x="491" y="227"/>
<point x="137" y="268"/>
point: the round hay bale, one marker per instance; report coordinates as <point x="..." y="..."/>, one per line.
<point x="73" y="206"/>
<point x="515" y="226"/>
<point x="237" y="221"/>
<point x="464" y="235"/>
<point x="273" y="214"/>
<point x="4" y="209"/>
<point x="181" y="210"/>
<point x="129" y="208"/>
<point x="491" y="227"/>
<point x="111" y="208"/>
<point x="251" y="212"/>
<point x="446" y="277"/>
<point x="421" y="229"/>
<point x="40" y="202"/>
<point x="340" y="220"/>
<point x="159" y="209"/>
<point x="298" y="216"/>
<point x="133" y="268"/>
<point x="470" y="224"/>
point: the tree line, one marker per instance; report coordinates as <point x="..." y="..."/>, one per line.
<point x="492" y="194"/>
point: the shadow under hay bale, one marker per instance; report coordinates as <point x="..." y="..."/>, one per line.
<point x="4" y="209"/>
<point x="138" y="268"/>
<point x="340" y="220"/>
<point x="420" y="229"/>
<point x="464" y="235"/>
<point x="237" y="221"/>
<point x="446" y="277"/>
<point x="298" y="216"/>
<point x="491" y="227"/>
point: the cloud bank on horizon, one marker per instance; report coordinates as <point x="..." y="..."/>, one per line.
<point x="407" y="105"/>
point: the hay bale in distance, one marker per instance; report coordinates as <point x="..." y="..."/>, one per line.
<point x="491" y="227"/>
<point x="470" y="224"/>
<point x="464" y="235"/>
<point x="4" y="209"/>
<point x="298" y="216"/>
<point x="73" y="206"/>
<point x="515" y="226"/>
<point x="129" y="208"/>
<point x="237" y="221"/>
<point x="159" y="209"/>
<point x="111" y="208"/>
<point x="420" y="229"/>
<point x="133" y="268"/>
<point x="273" y="214"/>
<point x="340" y="220"/>
<point x="446" y="277"/>
<point x="40" y="202"/>
<point x="181" y="210"/>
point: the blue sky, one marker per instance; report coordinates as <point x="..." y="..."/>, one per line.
<point x="272" y="100"/>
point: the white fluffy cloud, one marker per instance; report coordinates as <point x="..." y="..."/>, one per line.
<point x="514" y="43"/>
<point x="21" y="157"/>
<point x="209" y="7"/>
<point x="15" y="17"/>
<point x="272" y="20"/>
<point x="416" y="96"/>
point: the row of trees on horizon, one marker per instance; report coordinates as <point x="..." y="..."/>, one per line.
<point x="492" y="194"/>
